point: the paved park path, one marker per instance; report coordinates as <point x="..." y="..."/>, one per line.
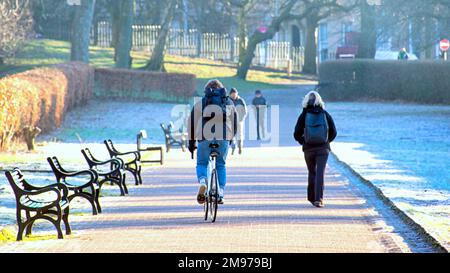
<point x="265" y="211"/>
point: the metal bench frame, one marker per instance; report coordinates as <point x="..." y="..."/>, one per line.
<point x="143" y="135"/>
<point x="134" y="166"/>
<point x="41" y="209"/>
<point x="116" y="175"/>
<point x="78" y="190"/>
<point x="174" y="138"/>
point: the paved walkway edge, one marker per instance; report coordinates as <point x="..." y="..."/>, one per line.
<point x="416" y="227"/>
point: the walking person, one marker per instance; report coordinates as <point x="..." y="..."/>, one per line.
<point x="260" y="104"/>
<point x="213" y="119"/>
<point x="315" y="130"/>
<point x="403" y="54"/>
<point x="241" y="109"/>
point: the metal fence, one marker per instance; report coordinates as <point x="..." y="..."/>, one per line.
<point x="214" y="46"/>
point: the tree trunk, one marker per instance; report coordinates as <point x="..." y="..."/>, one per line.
<point x="368" y="39"/>
<point x="247" y="58"/>
<point x="124" y="42"/>
<point x="81" y="30"/>
<point x="114" y="10"/>
<point x="156" y="62"/>
<point x="429" y="38"/>
<point x="258" y="37"/>
<point x="29" y="134"/>
<point x="242" y="34"/>
<point x="310" y="66"/>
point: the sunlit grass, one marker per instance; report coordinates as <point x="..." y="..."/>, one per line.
<point x="47" y="52"/>
<point x="6" y="236"/>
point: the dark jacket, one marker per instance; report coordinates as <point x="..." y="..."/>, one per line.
<point x="300" y="130"/>
<point x="241" y="108"/>
<point x="259" y="101"/>
<point x="198" y="120"/>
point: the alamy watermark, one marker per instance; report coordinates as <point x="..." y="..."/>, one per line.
<point x="261" y="123"/>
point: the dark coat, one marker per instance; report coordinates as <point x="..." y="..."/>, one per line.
<point x="259" y="101"/>
<point x="300" y="130"/>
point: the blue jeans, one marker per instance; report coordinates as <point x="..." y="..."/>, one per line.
<point x="203" y="152"/>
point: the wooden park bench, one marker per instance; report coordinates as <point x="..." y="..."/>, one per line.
<point x="50" y="202"/>
<point x="78" y="183"/>
<point x="143" y="135"/>
<point x="174" y="138"/>
<point x="115" y="174"/>
<point x="131" y="164"/>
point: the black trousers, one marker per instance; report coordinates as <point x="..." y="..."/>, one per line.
<point x="316" y="161"/>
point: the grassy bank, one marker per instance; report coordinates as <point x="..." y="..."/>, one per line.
<point x="47" y="52"/>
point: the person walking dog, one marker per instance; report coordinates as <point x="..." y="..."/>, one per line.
<point x="213" y="119"/>
<point x="241" y="109"/>
<point x="315" y="130"/>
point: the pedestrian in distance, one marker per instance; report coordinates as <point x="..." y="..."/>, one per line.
<point x="403" y="54"/>
<point x="241" y="109"/>
<point x="260" y="104"/>
<point x="315" y="130"/>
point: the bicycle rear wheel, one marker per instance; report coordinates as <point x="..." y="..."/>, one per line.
<point x="213" y="196"/>
<point x="206" y="204"/>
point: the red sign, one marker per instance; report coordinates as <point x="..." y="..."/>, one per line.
<point x="263" y="29"/>
<point x="444" y="45"/>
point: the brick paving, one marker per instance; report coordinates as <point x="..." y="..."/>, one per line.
<point x="265" y="211"/>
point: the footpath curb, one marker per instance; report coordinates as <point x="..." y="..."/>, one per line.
<point x="398" y="212"/>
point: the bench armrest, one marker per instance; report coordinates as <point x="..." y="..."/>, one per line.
<point x="117" y="161"/>
<point x="44" y="190"/>
<point x="92" y="173"/>
<point x="137" y="155"/>
<point x="62" y="188"/>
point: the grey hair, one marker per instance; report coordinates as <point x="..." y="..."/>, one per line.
<point x="317" y="102"/>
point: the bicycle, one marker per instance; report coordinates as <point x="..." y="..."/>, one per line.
<point x="212" y="186"/>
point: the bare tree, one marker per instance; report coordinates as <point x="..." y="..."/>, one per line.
<point x="15" y="24"/>
<point x="368" y="39"/>
<point x="156" y="62"/>
<point x="124" y="42"/>
<point x="258" y="37"/>
<point x="315" y="11"/>
<point x="81" y="29"/>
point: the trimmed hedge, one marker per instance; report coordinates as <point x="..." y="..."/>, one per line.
<point x="412" y="81"/>
<point x="143" y="85"/>
<point x="41" y="97"/>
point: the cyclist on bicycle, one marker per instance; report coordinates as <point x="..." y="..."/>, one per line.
<point x="213" y="120"/>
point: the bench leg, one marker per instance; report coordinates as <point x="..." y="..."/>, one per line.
<point x="88" y="196"/>
<point x="29" y="227"/>
<point x="20" y="224"/>
<point x="123" y="179"/>
<point x="97" y="202"/>
<point x="120" y="184"/>
<point x="58" y="223"/>
<point x="139" y="174"/>
<point x="65" y="219"/>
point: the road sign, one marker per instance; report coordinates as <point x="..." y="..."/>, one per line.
<point x="444" y="45"/>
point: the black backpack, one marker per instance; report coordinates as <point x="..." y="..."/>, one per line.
<point x="316" y="128"/>
<point x="216" y="97"/>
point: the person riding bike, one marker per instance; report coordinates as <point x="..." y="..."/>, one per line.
<point x="213" y="119"/>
